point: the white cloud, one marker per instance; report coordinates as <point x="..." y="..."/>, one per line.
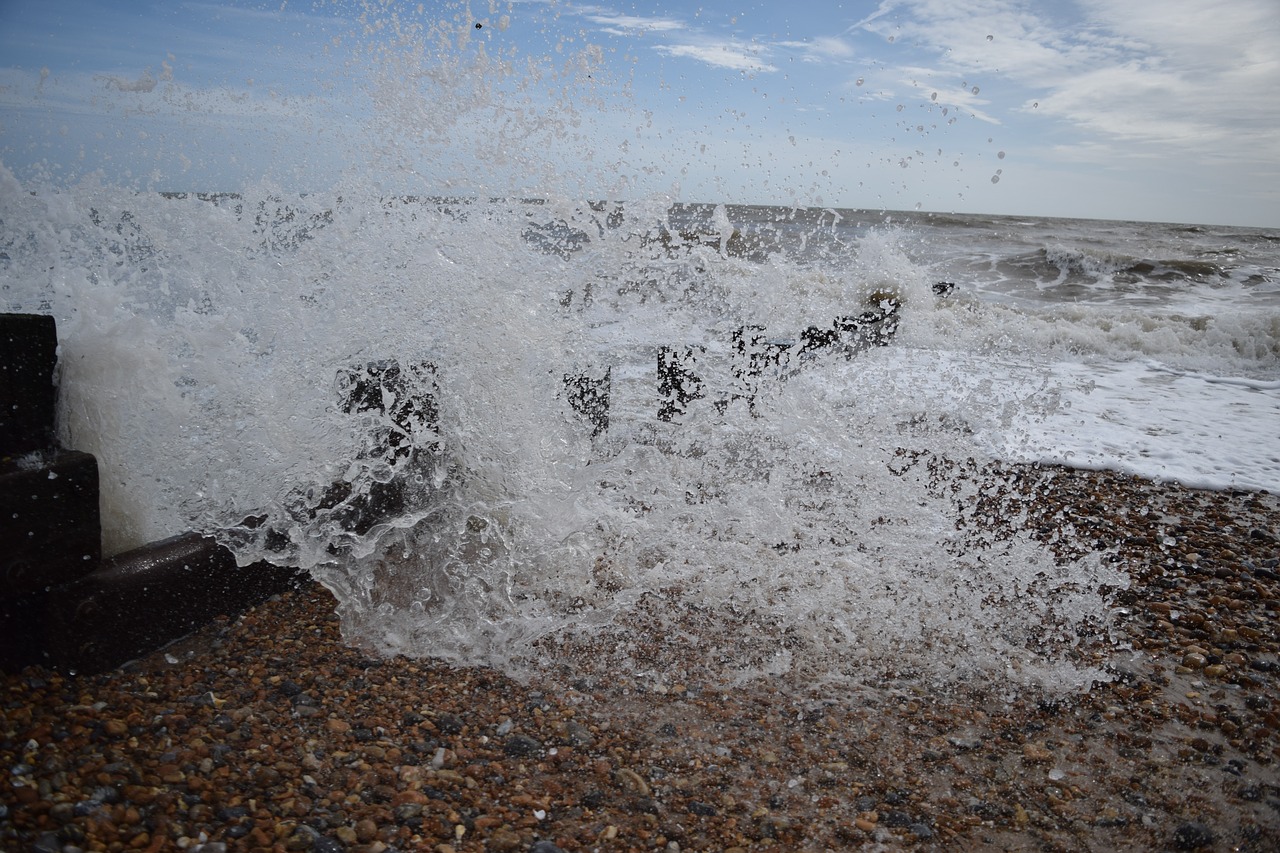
<point x="1173" y="74"/>
<point x="687" y="42"/>
<point x="725" y="54"/>
<point x="632" y="24"/>
<point x="820" y="49"/>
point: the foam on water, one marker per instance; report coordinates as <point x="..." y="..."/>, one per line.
<point x="777" y="527"/>
<point x="401" y="396"/>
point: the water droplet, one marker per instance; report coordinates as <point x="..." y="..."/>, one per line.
<point x="991" y="38"/>
<point x="1000" y="154"/>
<point x="858" y="82"/>
<point x="974" y="90"/>
<point x="995" y="179"/>
<point x="934" y="96"/>
<point x="900" y="107"/>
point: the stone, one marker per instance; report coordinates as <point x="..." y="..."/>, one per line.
<point x="1193" y="836"/>
<point x="545" y="847"/>
<point x="520" y="745"/>
<point x="366" y="831"/>
<point x="504" y="841"/>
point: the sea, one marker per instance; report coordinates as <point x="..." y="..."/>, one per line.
<point x="688" y="441"/>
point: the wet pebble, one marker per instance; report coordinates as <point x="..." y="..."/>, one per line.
<point x="1193" y="836"/>
<point x="521" y="745"/>
<point x="405" y="753"/>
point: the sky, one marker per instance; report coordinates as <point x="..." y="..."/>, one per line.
<point x="1163" y="110"/>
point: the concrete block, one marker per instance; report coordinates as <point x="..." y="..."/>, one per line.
<point x="28" y="356"/>
<point x="50" y="529"/>
<point x="141" y="600"/>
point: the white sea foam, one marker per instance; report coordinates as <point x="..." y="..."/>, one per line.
<point x="380" y="389"/>
<point x="203" y="345"/>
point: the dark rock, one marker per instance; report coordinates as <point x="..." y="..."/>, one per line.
<point x="449" y="724"/>
<point x="700" y="808"/>
<point x="519" y="745"/>
<point x="85" y="808"/>
<point x="544" y="847"/>
<point x="646" y="805"/>
<point x="47" y="842"/>
<point x="578" y="734"/>
<point x="71" y="834"/>
<point x="1192" y="836"/>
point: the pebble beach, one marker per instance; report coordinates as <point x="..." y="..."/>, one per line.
<point x="265" y="732"/>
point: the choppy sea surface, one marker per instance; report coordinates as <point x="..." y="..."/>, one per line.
<point x="498" y="428"/>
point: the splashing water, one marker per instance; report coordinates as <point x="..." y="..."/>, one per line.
<point x="557" y="435"/>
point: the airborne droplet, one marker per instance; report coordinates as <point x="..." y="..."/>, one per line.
<point x="995" y="179"/>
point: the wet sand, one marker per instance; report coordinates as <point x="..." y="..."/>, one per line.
<point x="266" y="732"/>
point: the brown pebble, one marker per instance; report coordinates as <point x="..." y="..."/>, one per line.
<point x="337" y="726"/>
<point x="504" y="840"/>
<point x="366" y="831"/>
